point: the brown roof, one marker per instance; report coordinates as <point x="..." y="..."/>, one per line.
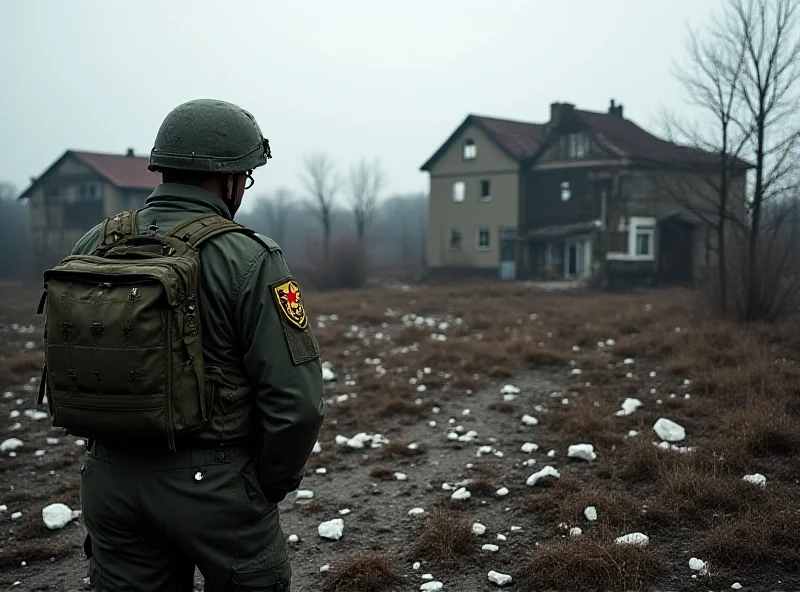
<point x="523" y="141"/>
<point x="127" y="172"/>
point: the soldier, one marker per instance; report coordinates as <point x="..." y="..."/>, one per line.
<point x="154" y="509"/>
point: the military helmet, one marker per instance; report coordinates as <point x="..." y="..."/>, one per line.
<point x="210" y="136"/>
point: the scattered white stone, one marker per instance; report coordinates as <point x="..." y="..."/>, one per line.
<point x="551" y="454"/>
<point x="16" y="515"/>
<point x="416" y="511"/>
<point x="736" y="586"/>
<point x="14" y="414"/>
<point x="52" y="441"/>
<point x="416" y="565"/>
<point x="39" y="453"/>
<point x="501" y="579"/>
<point x="490" y="547"/>
<point x="575" y="532"/>
<point x="401" y="476"/>
<point x="629" y="406"/>
<point x="501" y="537"/>
<point x="10" y="445"/>
<point x="529" y="447"/>
<point x="321" y="471"/>
<point x="590" y="513"/>
<point x="35" y="414"/>
<point x="427" y="576"/>
<point x="344" y="511"/>
<point x="696" y="564"/>
<point x="327" y="374"/>
<point x="756" y="479"/>
<point x="547" y="474"/>
<point x="509" y="389"/>
<point x="628" y="361"/>
<point x="3" y="508"/>
<point x="529" y="420"/>
<point x="669" y="431"/>
<point x="582" y="451"/>
<point x="635" y="538"/>
<point x="293" y="538"/>
<point x="576" y="372"/>
<point x="483" y="450"/>
<point x="433" y="586"/>
<point x="478" y="528"/>
<point x="332" y="529"/>
<point x="80" y="442"/>
<point x="304" y="494"/>
<point x="461" y="494"/>
<point x="325" y="567"/>
<point x="502" y="491"/>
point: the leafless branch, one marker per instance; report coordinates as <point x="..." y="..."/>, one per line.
<point x="366" y="184"/>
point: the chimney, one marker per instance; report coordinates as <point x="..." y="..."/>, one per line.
<point x="130" y="152"/>
<point x="560" y="113"/>
<point x="614" y="109"/>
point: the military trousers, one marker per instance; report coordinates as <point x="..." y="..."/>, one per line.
<point x="153" y="517"/>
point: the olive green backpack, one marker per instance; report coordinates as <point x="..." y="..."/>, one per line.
<point x="122" y="334"/>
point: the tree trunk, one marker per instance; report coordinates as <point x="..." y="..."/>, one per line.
<point x="753" y="287"/>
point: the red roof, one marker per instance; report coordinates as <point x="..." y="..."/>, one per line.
<point x="521" y="139"/>
<point x="127" y="172"/>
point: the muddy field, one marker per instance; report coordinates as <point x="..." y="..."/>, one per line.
<point x="443" y="404"/>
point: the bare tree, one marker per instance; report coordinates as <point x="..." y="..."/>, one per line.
<point x="278" y="207"/>
<point x="321" y="183"/>
<point x="711" y="78"/>
<point x="366" y="183"/>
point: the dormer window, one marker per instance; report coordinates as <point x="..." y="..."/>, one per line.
<point x="470" y="150"/>
<point x="577" y="145"/>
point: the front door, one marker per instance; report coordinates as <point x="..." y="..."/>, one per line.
<point x="576" y="259"/>
<point x="508" y="254"/>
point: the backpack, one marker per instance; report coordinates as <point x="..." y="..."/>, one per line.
<point x="122" y="333"/>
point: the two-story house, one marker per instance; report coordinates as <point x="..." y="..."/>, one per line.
<point x="585" y="194"/>
<point x="76" y="192"/>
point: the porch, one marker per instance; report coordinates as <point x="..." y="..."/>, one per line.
<point x="565" y="252"/>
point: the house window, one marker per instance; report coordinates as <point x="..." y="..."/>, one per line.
<point x="90" y="191"/>
<point x="644" y="241"/>
<point x="482" y="239"/>
<point x="566" y="193"/>
<point x="455" y="239"/>
<point x="486" y="190"/>
<point x="470" y="150"/>
<point x="459" y="191"/>
<point x="577" y="145"/>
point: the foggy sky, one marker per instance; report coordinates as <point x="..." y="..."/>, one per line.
<point x="355" y="78"/>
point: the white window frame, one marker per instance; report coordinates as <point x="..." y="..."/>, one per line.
<point x="478" y="246"/>
<point x="482" y="197"/>
<point x="463" y="192"/>
<point x="461" y="242"/>
<point x="566" y="191"/>
<point x="638" y="225"/>
<point x="469" y="149"/>
<point x="577" y="145"/>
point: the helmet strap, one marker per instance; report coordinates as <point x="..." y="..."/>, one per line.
<point x="231" y="199"/>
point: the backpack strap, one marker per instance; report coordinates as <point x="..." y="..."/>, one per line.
<point x="198" y="229"/>
<point x="120" y="226"/>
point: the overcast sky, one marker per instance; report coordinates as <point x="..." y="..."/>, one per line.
<point x="354" y="78"/>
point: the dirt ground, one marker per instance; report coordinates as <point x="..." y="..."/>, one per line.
<point x="429" y="368"/>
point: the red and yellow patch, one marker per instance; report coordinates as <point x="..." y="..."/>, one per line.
<point x="287" y="296"/>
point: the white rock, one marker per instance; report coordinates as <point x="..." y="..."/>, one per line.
<point x="478" y="528"/>
<point x="10" y="445"/>
<point x="546" y="474"/>
<point x="508" y="398"/>
<point x="575" y="532"/>
<point x="80" y="442"/>
<point x="576" y="372"/>
<point x="669" y="431"/>
<point x="3" y="508"/>
<point x="501" y="537"/>
<point x="416" y="511"/>
<point x="628" y="361"/>
<point x="35" y="414"/>
<point x="509" y="389"/>
<point x="629" y="406"/>
<point x="502" y="491"/>
<point x="490" y="547"/>
<point x="529" y="447"/>
<point x="304" y="494"/>
<point x="16" y="515"/>
<point x="416" y="566"/>
<point x="551" y="454"/>
<point x="484" y="450"/>
<point x="52" y="441"/>
<point x="736" y="586"/>
<point x="341" y="440"/>
<point x="325" y="567"/>
<point x="501" y="579"/>
<point x="14" y="414"/>
<point x="401" y="476"/>
<point x="635" y="538"/>
<point x="293" y="538"/>
<point x="461" y="494"/>
<point x="582" y="451"/>
<point x="756" y="479"/>
<point x="344" y="511"/>
<point x="332" y="529"/>
<point x="590" y="513"/>
<point x="529" y="420"/>
<point x="696" y="564"/>
<point x="432" y="586"/>
<point x="327" y="374"/>
<point x="427" y="576"/>
<point x="321" y="471"/>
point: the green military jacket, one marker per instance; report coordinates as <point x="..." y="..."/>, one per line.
<point x="243" y="330"/>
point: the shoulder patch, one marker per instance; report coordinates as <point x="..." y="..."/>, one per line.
<point x="302" y="343"/>
<point x="290" y="302"/>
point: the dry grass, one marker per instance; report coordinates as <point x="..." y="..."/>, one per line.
<point x="567" y="500"/>
<point x="588" y="563"/>
<point x="35" y="550"/>
<point x="20" y="368"/>
<point x="446" y="539"/>
<point x="371" y="572"/>
<point x="400" y="447"/>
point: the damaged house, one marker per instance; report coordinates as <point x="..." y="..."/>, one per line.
<point x="585" y="195"/>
